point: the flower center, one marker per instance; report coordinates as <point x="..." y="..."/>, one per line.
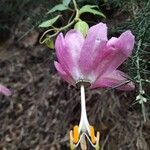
<point x="86" y="83"/>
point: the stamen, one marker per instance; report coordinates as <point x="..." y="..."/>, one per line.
<point x="92" y="135"/>
<point x="75" y="134"/>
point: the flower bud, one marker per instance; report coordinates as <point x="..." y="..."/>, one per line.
<point x="49" y="43"/>
<point x="82" y="27"/>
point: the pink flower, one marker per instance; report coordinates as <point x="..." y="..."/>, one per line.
<point x="94" y="59"/>
<point x="4" y="90"/>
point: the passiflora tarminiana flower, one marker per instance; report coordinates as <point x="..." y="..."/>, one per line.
<point x="92" y="59"/>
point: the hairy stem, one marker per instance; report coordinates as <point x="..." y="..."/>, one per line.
<point x="141" y="91"/>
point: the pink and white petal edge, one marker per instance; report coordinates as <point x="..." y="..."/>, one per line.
<point x="96" y="38"/>
<point x="63" y="74"/>
<point x="74" y="41"/>
<point x="125" y="42"/>
<point x="116" y="79"/>
<point x="63" y="54"/>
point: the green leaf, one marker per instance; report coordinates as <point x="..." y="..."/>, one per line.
<point x="66" y="2"/>
<point x="49" y="23"/>
<point x="90" y="9"/>
<point x="59" y="7"/>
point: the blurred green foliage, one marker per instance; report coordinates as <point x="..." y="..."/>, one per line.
<point x="140" y="61"/>
<point x="139" y="65"/>
<point x="14" y="12"/>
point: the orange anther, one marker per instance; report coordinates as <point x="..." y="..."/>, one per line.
<point x="92" y="134"/>
<point x="75" y="134"/>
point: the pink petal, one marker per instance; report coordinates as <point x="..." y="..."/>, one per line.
<point x="63" y="74"/>
<point x="115" y="53"/>
<point x="63" y="54"/>
<point x="74" y="41"/>
<point x="121" y="49"/>
<point x="125" y="43"/>
<point x="68" y="52"/>
<point x="116" y="79"/>
<point x="92" y="49"/>
<point x="4" y="90"/>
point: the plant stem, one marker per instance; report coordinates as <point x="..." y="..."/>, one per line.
<point x="75" y="5"/>
<point x="138" y="67"/>
<point x="141" y="91"/>
<point x="77" y="17"/>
